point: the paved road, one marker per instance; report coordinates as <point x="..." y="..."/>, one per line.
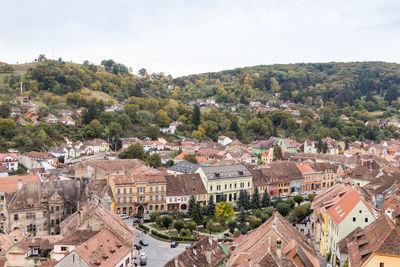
<point x="158" y="252"/>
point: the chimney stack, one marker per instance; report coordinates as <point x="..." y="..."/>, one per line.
<point x="19" y="184"/>
<point x="279" y="248"/>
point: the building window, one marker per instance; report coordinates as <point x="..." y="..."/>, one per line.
<point x="381" y="264"/>
<point x="63" y="248"/>
<point x="15" y="217"/>
<point x="235" y="185"/>
<point x="354" y="219"/>
<point x="162" y="197"/>
<point x="226" y="186"/>
<point x="241" y="184"/>
<point x="30" y="215"/>
<point x="360" y="211"/>
<point x="218" y="187"/>
<point x="248" y="184"/>
<point x="151" y="198"/>
<point x="124" y="200"/>
<point x="230" y="186"/>
<point x="156" y="188"/>
<point x="124" y="190"/>
<point x="130" y="190"/>
<point x="170" y="199"/>
<point x="151" y="189"/>
<point x="141" y="190"/>
<point x="157" y="198"/>
<point x="118" y="200"/>
<point x="57" y="208"/>
<point x="118" y="191"/>
<point x="366" y="219"/>
<point x="31" y="228"/>
<point x="210" y="187"/>
<point x="130" y="199"/>
<point x="162" y="188"/>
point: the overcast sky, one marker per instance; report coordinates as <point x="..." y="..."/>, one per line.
<point x="185" y="37"/>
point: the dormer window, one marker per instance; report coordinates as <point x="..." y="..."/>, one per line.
<point x="217" y="174"/>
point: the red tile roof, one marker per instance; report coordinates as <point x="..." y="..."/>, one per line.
<point x="342" y="208"/>
<point x="10" y="183"/>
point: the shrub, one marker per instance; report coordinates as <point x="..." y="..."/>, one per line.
<point x="255" y="222"/>
<point x="143" y="227"/>
<point x="153" y="216"/>
<point x="236" y="233"/>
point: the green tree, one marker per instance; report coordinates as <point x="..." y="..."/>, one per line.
<point x="224" y="210"/>
<point x="192" y="226"/>
<point x="232" y="225"/>
<point x="196" y="116"/>
<point x="191" y="158"/>
<point x="134" y="151"/>
<point x="255" y="199"/>
<point x="178" y="225"/>
<point x="192" y="204"/>
<point x="277" y="152"/>
<point x="210" y="226"/>
<point x="298" y="199"/>
<point x="162" y="118"/>
<point x="210" y="209"/>
<point x="255" y="222"/>
<point x="153" y="132"/>
<point x="198" y="214"/>
<point x="283" y="208"/>
<point x="311" y="197"/>
<point x="266" y="202"/>
<point x="154" y="160"/>
<point x="290" y="202"/>
<point x="5" y="110"/>
<point x="242" y="221"/>
<point x="166" y="221"/>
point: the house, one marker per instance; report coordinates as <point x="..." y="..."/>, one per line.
<point x="372" y="123"/>
<point x="206" y="252"/>
<point x="30" y="251"/>
<point x="183" y="167"/>
<point x="254" y="104"/>
<point x="337" y="212"/>
<point x="312" y="176"/>
<point x="139" y="191"/>
<point x="285" y="144"/>
<point x="331" y="147"/>
<point x="24" y="100"/>
<point x="365" y="173"/>
<point x="343" y="117"/>
<point x="282" y="178"/>
<point x="67" y="120"/>
<point x="95" y="215"/>
<point x="268" y="156"/>
<point x="394" y="122"/>
<point x="171" y="129"/>
<point x="102" y="169"/>
<point x="113" y="108"/>
<point x="275" y="243"/>
<point x="43" y="157"/>
<point x="32" y="115"/>
<point x="40" y="207"/>
<point x="224" y="140"/>
<point x="21" y="121"/>
<point x="103" y="249"/>
<point x="378" y="244"/>
<point x="65" y="112"/>
<point x="15" y="112"/>
<point x="311" y="146"/>
<point x="51" y="119"/>
<point x="10" y="161"/>
<point x="226" y="180"/>
<point x="181" y="187"/>
<point x="96" y="146"/>
<point x="79" y="112"/>
<point x="126" y="142"/>
<point x="329" y="177"/>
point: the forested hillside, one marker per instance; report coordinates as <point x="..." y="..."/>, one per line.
<point x="317" y="93"/>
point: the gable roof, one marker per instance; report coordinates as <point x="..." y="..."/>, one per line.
<point x="103" y="249"/>
<point x="185" y="185"/>
<point x="281" y="169"/>
<point x="114" y="165"/>
<point x="185" y="167"/>
<point x="140" y="174"/>
<point x="381" y="236"/>
<point x="204" y="253"/>
<point x="264" y="240"/>
<point x="10" y="183"/>
<point x="227" y="171"/>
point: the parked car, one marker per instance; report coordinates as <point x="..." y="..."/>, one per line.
<point x="138" y="247"/>
<point x="124" y="217"/>
<point x="164" y="212"/>
<point x="143" y="259"/>
<point x="174" y="244"/>
<point x="189" y="245"/>
<point x="143" y="243"/>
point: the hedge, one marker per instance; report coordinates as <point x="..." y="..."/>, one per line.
<point x="147" y="220"/>
<point x="175" y="238"/>
<point x="143" y="227"/>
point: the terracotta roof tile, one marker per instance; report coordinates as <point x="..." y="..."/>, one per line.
<point x="10" y="183"/>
